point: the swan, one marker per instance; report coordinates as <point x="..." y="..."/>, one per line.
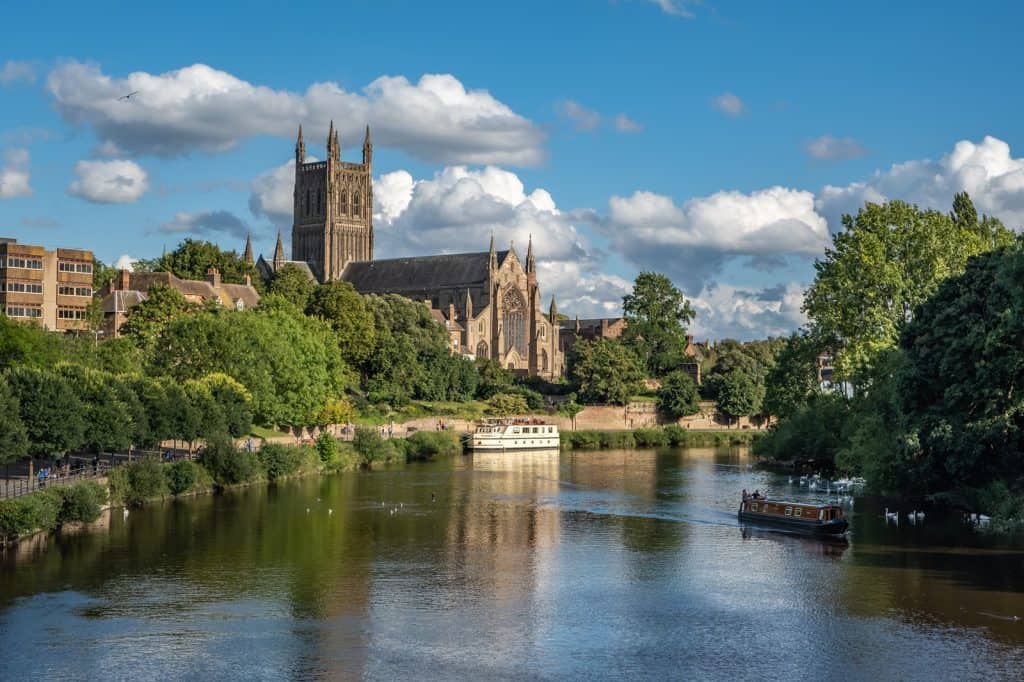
<point x="891" y="516"/>
<point x="330" y="511"/>
<point x="125" y="513"/>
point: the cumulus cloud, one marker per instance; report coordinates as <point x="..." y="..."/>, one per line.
<point x="109" y="182"/>
<point x="582" y="118"/>
<point x="199" y="108"/>
<point x="986" y="170"/>
<point x="676" y="8"/>
<point x="14" y="175"/>
<point x="694" y="241"/>
<point x="624" y="124"/>
<point x="205" y="223"/>
<point x="125" y="262"/>
<point x="831" y="148"/>
<point x="726" y="311"/>
<point x="13" y="71"/>
<point x="729" y="104"/>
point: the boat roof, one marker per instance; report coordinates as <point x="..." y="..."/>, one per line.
<point x="826" y="505"/>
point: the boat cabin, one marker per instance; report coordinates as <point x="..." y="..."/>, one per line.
<point x="793" y="510"/>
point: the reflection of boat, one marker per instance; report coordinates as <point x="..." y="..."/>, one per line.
<point x="826" y="545"/>
<point x="795" y="517"/>
<point x="514" y="434"/>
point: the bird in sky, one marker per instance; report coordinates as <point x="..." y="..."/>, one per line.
<point x="125" y="98"/>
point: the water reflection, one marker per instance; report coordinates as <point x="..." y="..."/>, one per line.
<point x="536" y="564"/>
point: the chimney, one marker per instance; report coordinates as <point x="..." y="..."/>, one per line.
<point x="124" y="279"/>
<point x="248" y="281"/>
<point x="213" y="277"/>
<point x="451" y="311"/>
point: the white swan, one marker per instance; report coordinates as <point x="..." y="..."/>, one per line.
<point x="891" y="516"/>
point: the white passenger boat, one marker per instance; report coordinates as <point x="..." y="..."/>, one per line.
<point x="514" y="434"/>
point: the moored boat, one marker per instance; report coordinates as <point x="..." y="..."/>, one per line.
<point x="514" y="434"/>
<point x="797" y="517"/>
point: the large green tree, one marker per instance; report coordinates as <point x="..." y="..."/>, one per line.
<point x="678" y="396"/>
<point x="50" y="409"/>
<point x="606" y="371"/>
<point x="793" y="381"/>
<point x="340" y="305"/>
<point x="146" y="321"/>
<point x="657" y="315"/>
<point x="13" y="437"/>
<point x="293" y="284"/>
<point x="194" y="257"/>
<point x="887" y="260"/>
<point x="739" y="395"/>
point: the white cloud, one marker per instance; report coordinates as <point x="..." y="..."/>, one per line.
<point x="582" y="118"/>
<point x="205" y="223"/>
<point x="14" y="175"/>
<point x="986" y="170"/>
<point x="125" y="262"/>
<point x="624" y="124"/>
<point x="831" y="148"/>
<point x="201" y="108"/>
<point x="729" y="104"/>
<point x="13" y="71"/>
<point x="694" y="241"/>
<point x="676" y="8"/>
<point x="109" y="182"/>
<point x="726" y="311"/>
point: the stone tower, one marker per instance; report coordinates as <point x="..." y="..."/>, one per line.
<point x="333" y="213"/>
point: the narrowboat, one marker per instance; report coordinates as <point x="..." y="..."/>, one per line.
<point x="515" y="434"/>
<point x="796" y="517"/>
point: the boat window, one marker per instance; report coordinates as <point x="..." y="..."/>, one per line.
<point x="753" y="506"/>
<point x="821" y="515"/>
<point x="799" y="511"/>
<point x="515" y="429"/>
<point x="789" y="511"/>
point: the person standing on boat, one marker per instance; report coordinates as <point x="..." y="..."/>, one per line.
<point x="744" y="494"/>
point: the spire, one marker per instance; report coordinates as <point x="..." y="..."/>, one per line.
<point x="367" y="148"/>
<point x="469" y="306"/>
<point x="493" y="254"/>
<point x="278" y="253"/>
<point x="247" y="256"/>
<point x="332" y="151"/>
<point x="553" y="310"/>
<point x="337" y="147"/>
<point x="531" y="264"/>
<point x="578" y="328"/>
<point x="300" y="148"/>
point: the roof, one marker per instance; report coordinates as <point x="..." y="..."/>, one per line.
<point x="121" y="301"/>
<point x="450" y="325"/>
<point x="419" y="274"/>
<point x="266" y="268"/>
<point x="227" y="294"/>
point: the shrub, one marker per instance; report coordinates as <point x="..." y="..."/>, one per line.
<point x="372" y="447"/>
<point x="81" y="502"/>
<point x="617" y="439"/>
<point x="23" y="515"/>
<point x="676" y="436"/>
<point x="145" y="481"/>
<point x="678" y="396"/>
<point x="117" y="482"/>
<point x="227" y="464"/>
<point x="181" y="476"/>
<point x="581" y="440"/>
<point x="327" y="448"/>
<point x="429" y="444"/>
<point x="280" y="460"/>
<point x="650" y="438"/>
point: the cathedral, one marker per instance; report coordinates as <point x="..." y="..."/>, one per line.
<point x="489" y="301"/>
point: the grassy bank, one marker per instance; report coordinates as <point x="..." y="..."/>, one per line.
<point x="50" y="508"/>
<point x="673" y="436"/>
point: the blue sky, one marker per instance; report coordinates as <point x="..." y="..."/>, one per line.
<point x="697" y="139"/>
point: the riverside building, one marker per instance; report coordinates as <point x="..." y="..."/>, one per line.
<point x="50" y="287"/>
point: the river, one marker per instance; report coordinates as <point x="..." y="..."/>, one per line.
<point x="538" y="566"/>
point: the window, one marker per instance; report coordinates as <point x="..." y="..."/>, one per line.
<point x="753" y="506"/>
<point x="799" y="511"/>
<point x="319" y="202"/>
<point x="74" y="291"/>
<point x="23" y="311"/>
<point x="26" y="263"/>
<point x="514" y="320"/>
<point x="343" y="203"/>
<point x="239" y="305"/>
<point x="543" y="332"/>
<point x="543" y="360"/>
<point x="357" y="209"/>
<point x="481" y="349"/>
<point x="307" y="201"/>
<point x="71" y="266"/>
<point x="25" y="287"/>
<point x="789" y="511"/>
<point x="70" y="313"/>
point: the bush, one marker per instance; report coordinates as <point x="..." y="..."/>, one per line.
<point x="650" y="438"/>
<point x="429" y="444"/>
<point x="581" y="440"/>
<point x="327" y="448"/>
<point x="676" y="435"/>
<point x="181" y="476"/>
<point x="23" y="515"/>
<point x="371" y="447"/>
<point x="146" y="481"/>
<point x="617" y="439"/>
<point x="280" y="460"/>
<point x="678" y="396"/>
<point x="227" y="464"/>
<point x="81" y="502"/>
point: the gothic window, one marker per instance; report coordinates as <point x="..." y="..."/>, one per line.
<point x="320" y="202"/>
<point x="514" y="318"/>
<point x="543" y="360"/>
<point x="481" y="349"/>
<point x="543" y="332"/>
<point x="307" y="201"/>
<point x="344" y="203"/>
<point x="356" y="205"/>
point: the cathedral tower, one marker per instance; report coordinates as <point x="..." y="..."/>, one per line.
<point x="333" y="210"/>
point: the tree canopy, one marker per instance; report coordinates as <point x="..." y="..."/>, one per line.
<point x="194" y="257"/>
<point x="293" y="284"/>
<point x="340" y="305"/>
<point x="657" y="315"/>
<point x="678" y="396"/>
<point x="605" y="371"/>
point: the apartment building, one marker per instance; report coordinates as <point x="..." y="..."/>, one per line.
<point x="53" y="288"/>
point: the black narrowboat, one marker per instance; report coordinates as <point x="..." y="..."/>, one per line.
<point x="795" y="517"/>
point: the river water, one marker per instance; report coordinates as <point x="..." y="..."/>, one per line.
<point x="536" y="566"/>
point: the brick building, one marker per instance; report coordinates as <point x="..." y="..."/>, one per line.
<point x="51" y="287"/>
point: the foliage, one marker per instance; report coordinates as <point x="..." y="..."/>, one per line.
<point x="372" y="447"/>
<point x="29" y="344"/>
<point x="812" y="432"/>
<point x="430" y="444"/>
<point x="678" y="396"/>
<point x="739" y="395"/>
<point x="793" y="381"/>
<point x="650" y="438"/>
<point x="493" y="378"/>
<point x="13" y="436"/>
<point x="606" y="371"/>
<point x="888" y="259"/>
<point x="227" y="464"/>
<point x="162" y="307"/>
<point x="102" y="274"/>
<point x="340" y="306"/>
<point x="146" y="481"/>
<point x="108" y="418"/>
<point x="327" y="448"/>
<point x="280" y="461"/>
<point x="23" y="515"/>
<point x="335" y="411"/>
<point x="50" y="409"/>
<point x="194" y="257"/>
<point x="657" y="315"/>
<point x="293" y="284"/>
<point x="570" y="408"/>
<point x="506" y="404"/>
<point x="81" y="502"/>
<point x="181" y="476"/>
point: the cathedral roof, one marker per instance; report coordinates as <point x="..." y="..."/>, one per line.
<point x="419" y="274"/>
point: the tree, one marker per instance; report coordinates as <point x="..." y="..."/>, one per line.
<point x="27" y="344"/>
<point x="50" y="409"/>
<point x="606" y="371"/>
<point x="340" y="305"/>
<point x="678" y="395"/>
<point x="570" y="408"/>
<point x="193" y="258"/>
<point x="335" y="411"/>
<point x="657" y="315"/>
<point x="293" y="284"/>
<point x="888" y="259"/>
<point x="794" y="379"/>
<point x="102" y="274"/>
<point x="109" y="424"/>
<point x="493" y="378"/>
<point x="506" y="405"/>
<point x="739" y="395"/>
<point x="13" y="437"/>
<point x="146" y="321"/>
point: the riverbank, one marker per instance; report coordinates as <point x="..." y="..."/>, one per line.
<point x="669" y="436"/>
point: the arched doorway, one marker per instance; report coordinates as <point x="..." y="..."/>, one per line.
<point x="481" y="350"/>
